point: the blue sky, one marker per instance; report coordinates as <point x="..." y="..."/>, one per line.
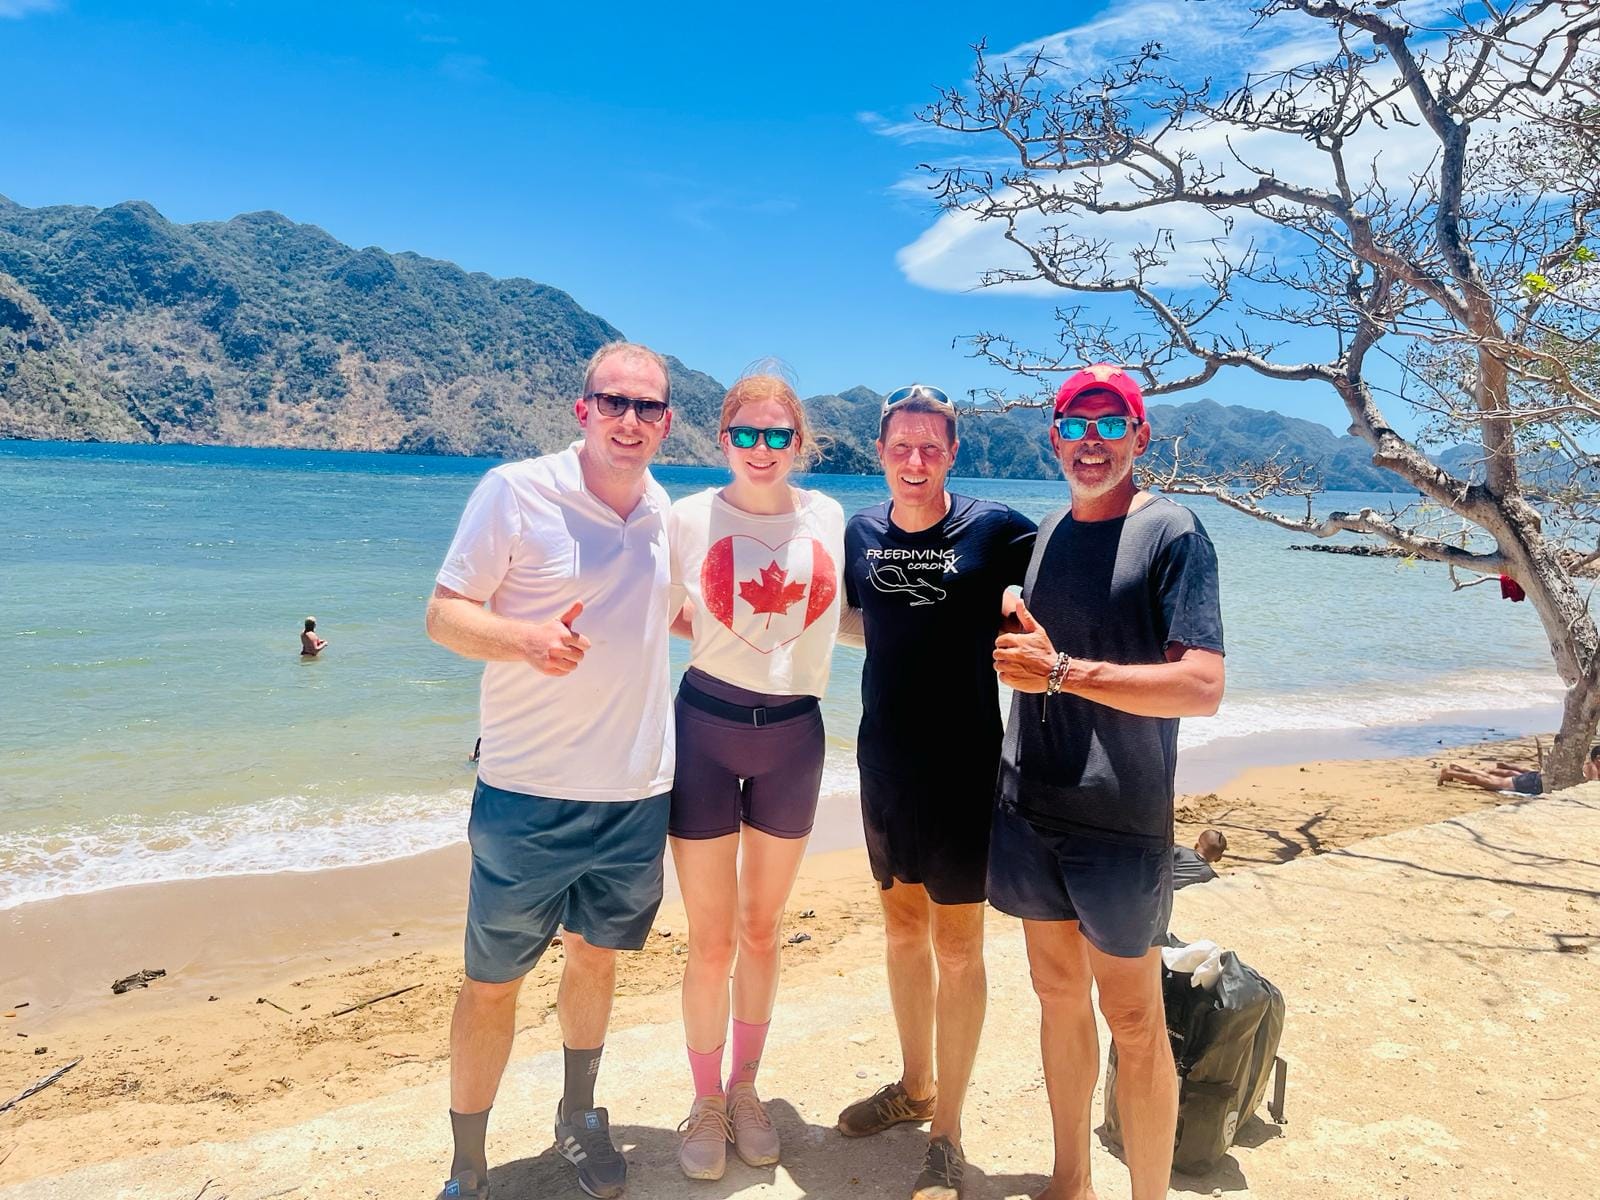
<point x="723" y="182"/>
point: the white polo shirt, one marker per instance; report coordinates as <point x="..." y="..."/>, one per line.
<point x="532" y="540"/>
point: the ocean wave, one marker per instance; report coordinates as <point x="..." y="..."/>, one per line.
<point x="316" y="832"/>
<point x="287" y="833"/>
<point x="1374" y="704"/>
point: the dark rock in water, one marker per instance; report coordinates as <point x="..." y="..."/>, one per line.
<point x="138" y="979"/>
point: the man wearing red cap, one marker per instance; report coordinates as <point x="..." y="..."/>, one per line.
<point x="1117" y="635"/>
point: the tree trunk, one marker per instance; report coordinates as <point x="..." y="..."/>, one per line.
<point x="1579" y="714"/>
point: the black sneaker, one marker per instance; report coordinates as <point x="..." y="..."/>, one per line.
<point x="466" y="1187"/>
<point x="584" y="1140"/>
<point x="941" y="1172"/>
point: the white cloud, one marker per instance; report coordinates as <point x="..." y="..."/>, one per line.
<point x="16" y="9"/>
<point x="1215" y="38"/>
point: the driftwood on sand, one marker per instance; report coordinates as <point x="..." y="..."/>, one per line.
<point x="38" y="1086"/>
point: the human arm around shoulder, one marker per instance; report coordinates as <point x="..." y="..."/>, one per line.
<point x="852" y="627"/>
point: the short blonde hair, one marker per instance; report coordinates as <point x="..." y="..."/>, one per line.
<point x="753" y="389"/>
<point x="632" y="350"/>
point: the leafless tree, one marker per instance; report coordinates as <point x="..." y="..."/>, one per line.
<point x="1415" y="200"/>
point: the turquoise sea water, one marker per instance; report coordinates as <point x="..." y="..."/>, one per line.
<point x="157" y="722"/>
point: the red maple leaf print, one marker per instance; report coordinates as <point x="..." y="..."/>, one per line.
<point x="772" y="594"/>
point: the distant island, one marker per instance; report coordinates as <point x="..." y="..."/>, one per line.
<point x="118" y="325"/>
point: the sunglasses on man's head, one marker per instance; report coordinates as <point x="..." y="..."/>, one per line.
<point x="746" y="436"/>
<point x="1107" y="429"/>
<point x="611" y="404"/>
<point x="921" y="391"/>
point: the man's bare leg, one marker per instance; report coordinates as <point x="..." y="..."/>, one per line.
<point x="480" y="1042"/>
<point x="583" y="1001"/>
<point x="962" y="998"/>
<point x="1059" y="963"/>
<point x="1147" y="1080"/>
<point x="913" y="988"/>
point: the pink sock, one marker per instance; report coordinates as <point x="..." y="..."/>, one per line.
<point x="748" y="1041"/>
<point x="706" y="1067"/>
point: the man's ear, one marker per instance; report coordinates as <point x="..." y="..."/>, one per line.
<point x="1141" y="438"/>
<point x="580" y="409"/>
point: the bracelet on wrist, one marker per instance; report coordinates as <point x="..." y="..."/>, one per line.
<point x="1058" y="674"/>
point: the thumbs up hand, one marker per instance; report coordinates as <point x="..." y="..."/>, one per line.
<point x="555" y="647"/>
<point x="1023" y="653"/>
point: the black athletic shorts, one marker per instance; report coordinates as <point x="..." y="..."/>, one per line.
<point x="1120" y="894"/>
<point x="928" y="830"/>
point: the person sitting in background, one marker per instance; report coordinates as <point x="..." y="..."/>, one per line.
<point x="1511" y="777"/>
<point x="1194" y="866"/>
<point x="310" y="644"/>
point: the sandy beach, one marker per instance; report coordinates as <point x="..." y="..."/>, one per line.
<point x="241" y="1037"/>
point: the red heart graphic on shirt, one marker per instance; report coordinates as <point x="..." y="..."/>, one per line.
<point x="768" y="595"/>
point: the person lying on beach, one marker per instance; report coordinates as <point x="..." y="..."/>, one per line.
<point x="310" y="644"/>
<point x="926" y="574"/>
<point x="755" y="577"/>
<point x="569" y="816"/>
<point x="1119" y="635"/>
<point x="1194" y="866"/>
<point x="1510" y="777"/>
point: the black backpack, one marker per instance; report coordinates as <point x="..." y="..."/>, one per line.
<point x="1225" y="1042"/>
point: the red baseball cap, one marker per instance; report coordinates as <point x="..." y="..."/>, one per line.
<point x="1102" y="377"/>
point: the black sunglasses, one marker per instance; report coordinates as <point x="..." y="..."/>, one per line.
<point x="612" y="405"/>
<point x="922" y="391"/>
<point x="746" y="436"/>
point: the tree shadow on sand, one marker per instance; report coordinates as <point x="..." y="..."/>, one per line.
<point x="818" y="1164"/>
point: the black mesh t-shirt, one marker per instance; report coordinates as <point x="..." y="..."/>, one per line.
<point x="1118" y="591"/>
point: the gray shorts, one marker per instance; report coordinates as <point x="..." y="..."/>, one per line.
<point x="592" y="867"/>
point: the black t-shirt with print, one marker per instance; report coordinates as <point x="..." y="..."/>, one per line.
<point x="1118" y="591"/>
<point x="930" y="604"/>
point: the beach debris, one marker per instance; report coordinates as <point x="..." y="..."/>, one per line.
<point x="39" y="1086"/>
<point x="386" y="996"/>
<point x="138" y="979"/>
<point x="556" y="941"/>
<point x="206" y="1187"/>
<point x="663" y="932"/>
<point x="808" y="914"/>
<point x="41" y="1049"/>
<point x="24" y="1004"/>
<point x="10" y="1150"/>
<point x="860" y="1039"/>
<point x="797" y="938"/>
<point x="279" y="1007"/>
<point x="396" y="933"/>
<point x="209" y="999"/>
<point x="10" y="1014"/>
<point x="861" y="1074"/>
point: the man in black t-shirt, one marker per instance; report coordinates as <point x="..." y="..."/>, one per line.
<point x="1119" y="633"/>
<point x="925" y="577"/>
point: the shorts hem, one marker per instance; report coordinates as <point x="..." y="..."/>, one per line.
<point x="785" y="834"/>
<point x="598" y="944"/>
<point x="700" y="835"/>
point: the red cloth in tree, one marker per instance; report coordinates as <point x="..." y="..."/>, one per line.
<point x="1510" y="589"/>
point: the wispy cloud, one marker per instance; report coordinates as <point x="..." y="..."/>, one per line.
<point x="17" y="9"/>
<point x="705" y="212"/>
<point x="464" y="68"/>
<point x="1215" y="38"/>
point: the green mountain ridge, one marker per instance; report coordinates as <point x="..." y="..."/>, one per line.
<point x="119" y="325"/>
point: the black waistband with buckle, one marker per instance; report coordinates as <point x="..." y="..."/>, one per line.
<point x="743" y="713"/>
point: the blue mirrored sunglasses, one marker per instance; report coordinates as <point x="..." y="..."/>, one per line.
<point x="746" y="436"/>
<point x="1107" y="429"/>
<point x="923" y="390"/>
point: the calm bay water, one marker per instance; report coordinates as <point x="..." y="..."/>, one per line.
<point x="157" y="722"/>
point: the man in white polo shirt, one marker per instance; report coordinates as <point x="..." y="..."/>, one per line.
<point x="558" y="581"/>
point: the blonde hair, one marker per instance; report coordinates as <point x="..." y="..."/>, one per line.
<point x="632" y="350"/>
<point x="753" y="389"/>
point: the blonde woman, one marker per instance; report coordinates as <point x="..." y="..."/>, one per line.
<point x="756" y="564"/>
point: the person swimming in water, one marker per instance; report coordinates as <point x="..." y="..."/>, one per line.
<point x="310" y="644"/>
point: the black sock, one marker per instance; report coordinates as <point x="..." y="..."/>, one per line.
<point x="581" y="1068"/>
<point x="469" y="1130"/>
